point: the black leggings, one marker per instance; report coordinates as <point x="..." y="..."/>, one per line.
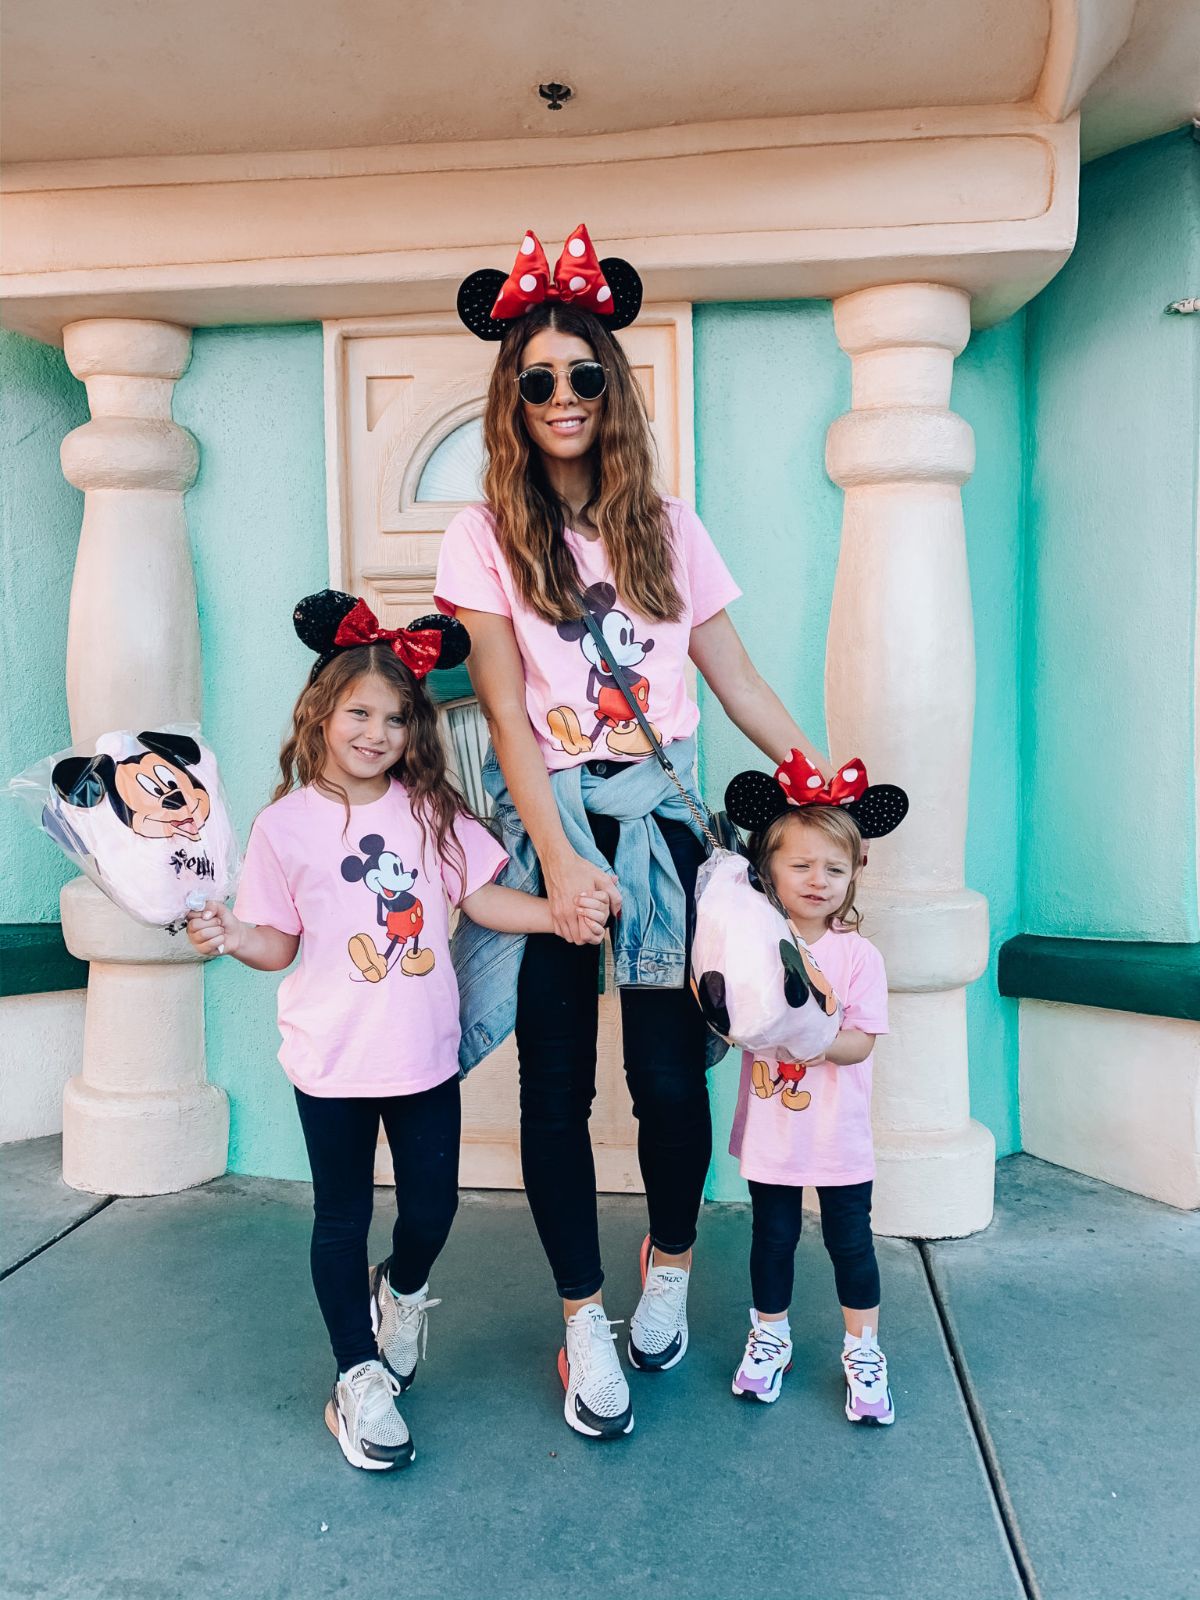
<point x="664" y="1040"/>
<point x="845" y="1228"/>
<point x="422" y="1130"/>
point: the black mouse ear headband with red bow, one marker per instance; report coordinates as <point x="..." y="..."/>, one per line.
<point x="489" y="303"/>
<point x="330" y="622"/>
<point x="753" y="800"/>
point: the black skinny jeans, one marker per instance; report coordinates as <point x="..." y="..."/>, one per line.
<point x="845" y="1227"/>
<point x="664" y="1038"/>
<point x="423" y="1131"/>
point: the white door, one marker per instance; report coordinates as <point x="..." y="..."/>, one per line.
<point x="404" y="451"/>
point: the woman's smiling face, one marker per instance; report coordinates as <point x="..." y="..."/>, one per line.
<point x="565" y="428"/>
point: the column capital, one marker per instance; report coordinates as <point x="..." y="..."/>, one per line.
<point x="903" y="314"/>
<point x="127" y="347"/>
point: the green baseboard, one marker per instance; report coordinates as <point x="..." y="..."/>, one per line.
<point x="34" y="960"/>
<point x="1154" y="980"/>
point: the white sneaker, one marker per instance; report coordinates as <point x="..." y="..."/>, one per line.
<point x="401" y="1331"/>
<point x="868" y="1396"/>
<point x="597" y="1396"/>
<point x="767" y="1357"/>
<point x="361" y="1413"/>
<point x="658" y="1330"/>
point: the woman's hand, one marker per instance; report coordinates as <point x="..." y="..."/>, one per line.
<point x="215" y="931"/>
<point x="569" y="880"/>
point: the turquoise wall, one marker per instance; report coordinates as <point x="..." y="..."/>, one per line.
<point x="253" y="399"/>
<point x="769" y="380"/>
<point x="1108" y="747"/>
<point x="40" y="517"/>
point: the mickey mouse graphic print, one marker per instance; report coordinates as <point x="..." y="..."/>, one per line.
<point x="371" y="1006"/>
<point x="576" y="710"/>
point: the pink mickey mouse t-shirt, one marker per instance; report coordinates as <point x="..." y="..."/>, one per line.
<point x="574" y="705"/>
<point x="371" y="1006"/>
<point x="812" y="1124"/>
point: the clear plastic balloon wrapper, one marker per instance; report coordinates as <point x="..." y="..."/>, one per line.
<point x="144" y="815"/>
<point x="758" y="983"/>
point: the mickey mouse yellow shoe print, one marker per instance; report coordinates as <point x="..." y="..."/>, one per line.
<point x="366" y="958"/>
<point x="565" y="730"/>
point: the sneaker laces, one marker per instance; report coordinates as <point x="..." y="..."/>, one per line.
<point x="763" y="1345"/>
<point x="865" y="1363"/>
<point x="407" y="1315"/>
<point x="662" y="1300"/>
<point x="595" y="1350"/>
<point x="375" y="1390"/>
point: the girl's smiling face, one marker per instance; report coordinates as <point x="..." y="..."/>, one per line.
<point x="565" y="427"/>
<point x="365" y="736"/>
<point x="811" y="873"/>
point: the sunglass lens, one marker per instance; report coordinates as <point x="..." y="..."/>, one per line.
<point x="587" y="380"/>
<point x="536" y="385"/>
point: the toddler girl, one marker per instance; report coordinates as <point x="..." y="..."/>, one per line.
<point x="352" y="865"/>
<point x="809" y="1122"/>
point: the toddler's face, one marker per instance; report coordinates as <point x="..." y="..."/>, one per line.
<point x="811" y="873"/>
<point x="365" y="734"/>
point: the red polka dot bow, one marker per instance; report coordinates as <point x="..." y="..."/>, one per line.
<point x="577" y="277"/>
<point x="804" y="785"/>
<point x="418" y="648"/>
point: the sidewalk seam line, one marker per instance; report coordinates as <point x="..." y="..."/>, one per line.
<point x="983" y="1438"/>
<point x="101" y="1205"/>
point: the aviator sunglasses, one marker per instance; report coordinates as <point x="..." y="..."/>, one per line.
<point x="588" y="380"/>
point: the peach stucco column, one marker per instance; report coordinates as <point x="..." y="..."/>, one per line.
<point x="900" y="693"/>
<point x="140" y="1117"/>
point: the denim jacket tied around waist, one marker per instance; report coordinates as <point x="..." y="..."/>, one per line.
<point x="649" y="937"/>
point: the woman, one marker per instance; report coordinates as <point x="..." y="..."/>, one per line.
<point x="573" y="524"/>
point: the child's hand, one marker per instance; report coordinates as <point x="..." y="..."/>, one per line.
<point x="593" y="911"/>
<point x="215" y="931"/>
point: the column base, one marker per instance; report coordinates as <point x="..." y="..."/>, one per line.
<point x="934" y="1185"/>
<point x="143" y="1143"/>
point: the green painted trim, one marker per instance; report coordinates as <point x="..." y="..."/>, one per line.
<point x="1154" y="980"/>
<point x="452" y="685"/>
<point x="34" y="960"/>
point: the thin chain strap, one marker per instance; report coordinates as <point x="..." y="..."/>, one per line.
<point x="617" y="673"/>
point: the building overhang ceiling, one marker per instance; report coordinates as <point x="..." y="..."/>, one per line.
<point x="223" y="163"/>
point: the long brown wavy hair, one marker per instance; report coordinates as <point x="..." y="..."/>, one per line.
<point x="625" y="505"/>
<point x="435" y="798"/>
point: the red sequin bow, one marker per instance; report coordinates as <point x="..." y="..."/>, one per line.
<point x="418" y="648"/>
<point x="577" y="276"/>
<point x="804" y="785"/>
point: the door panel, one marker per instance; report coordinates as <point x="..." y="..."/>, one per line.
<point x="404" y="396"/>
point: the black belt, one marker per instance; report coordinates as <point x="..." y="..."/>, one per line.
<point x="607" y="769"/>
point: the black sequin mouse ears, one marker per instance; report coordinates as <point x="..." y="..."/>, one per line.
<point x="489" y="303"/>
<point x="330" y="622"/>
<point x="753" y="800"/>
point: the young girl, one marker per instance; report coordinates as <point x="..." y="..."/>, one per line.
<point x="810" y="1123"/>
<point x="352" y="865"/>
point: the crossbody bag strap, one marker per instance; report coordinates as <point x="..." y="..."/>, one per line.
<point x="617" y="673"/>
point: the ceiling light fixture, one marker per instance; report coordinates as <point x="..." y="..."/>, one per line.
<point x="555" y="95"/>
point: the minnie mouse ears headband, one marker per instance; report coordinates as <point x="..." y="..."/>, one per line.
<point x="753" y="800"/>
<point x="489" y="303"/>
<point x="330" y="622"/>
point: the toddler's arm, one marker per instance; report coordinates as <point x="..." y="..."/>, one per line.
<point x="512" y="911"/>
<point x="215" y="931"/>
<point x="850" y="1047"/>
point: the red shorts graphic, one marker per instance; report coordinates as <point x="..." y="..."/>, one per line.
<point x="613" y="706"/>
<point x="406" y="924"/>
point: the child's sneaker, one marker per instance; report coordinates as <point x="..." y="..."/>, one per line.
<point x="658" y="1330"/>
<point x="401" y="1330"/>
<point x="597" y="1397"/>
<point x="361" y="1414"/>
<point x="767" y="1357"/>
<point x="868" y="1396"/>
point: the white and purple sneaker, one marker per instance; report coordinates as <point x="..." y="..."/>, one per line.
<point x="868" y="1397"/>
<point x="767" y="1357"/>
